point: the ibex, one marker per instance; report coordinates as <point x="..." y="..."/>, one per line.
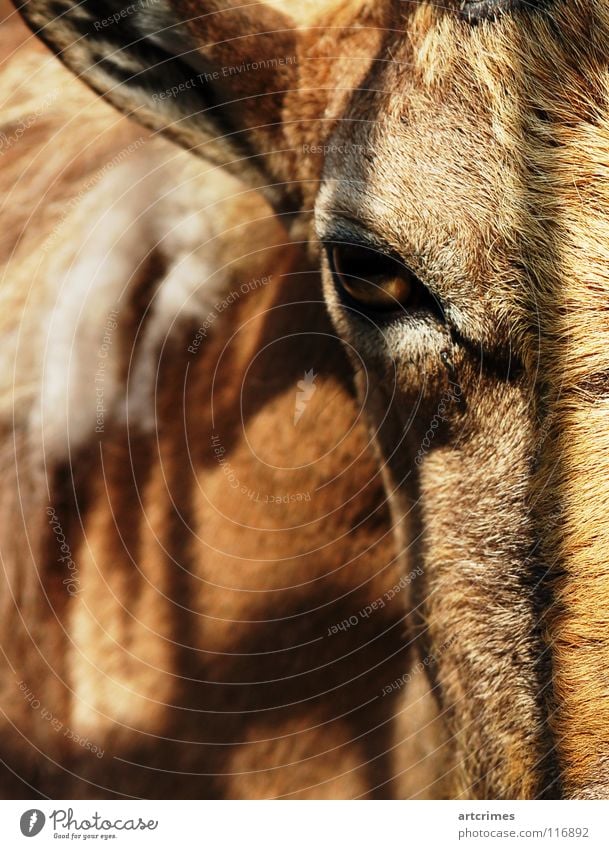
<point x="443" y="170"/>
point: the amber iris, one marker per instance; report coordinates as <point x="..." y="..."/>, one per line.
<point x="370" y="278"/>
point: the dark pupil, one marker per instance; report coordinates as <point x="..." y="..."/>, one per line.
<point x="371" y="278"/>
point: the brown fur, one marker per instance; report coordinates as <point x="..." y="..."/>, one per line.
<point x="477" y="154"/>
<point x="506" y="124"/>
<point x="198" y="660"/>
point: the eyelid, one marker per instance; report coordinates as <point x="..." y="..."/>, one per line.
<point x="348" y="232"/>
<point x="341" y="229"/>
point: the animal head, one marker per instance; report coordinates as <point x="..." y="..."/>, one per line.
<point x="448" y="166"/>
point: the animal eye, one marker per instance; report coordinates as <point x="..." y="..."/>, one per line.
<point x="375" y="281"/>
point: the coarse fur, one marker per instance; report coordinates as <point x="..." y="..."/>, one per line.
<point x="474" y="149"/>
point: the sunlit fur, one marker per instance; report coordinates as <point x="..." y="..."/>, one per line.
<point x="478" y="152"/>
<point x="185" y="653"/>
<point x="544" y="80"/>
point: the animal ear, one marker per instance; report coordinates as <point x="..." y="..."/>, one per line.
<point x="213" y="74"/>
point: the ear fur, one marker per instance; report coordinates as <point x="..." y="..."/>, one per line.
<point x="213" y="75"/>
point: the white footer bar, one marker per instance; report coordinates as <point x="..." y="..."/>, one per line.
<point x="304" y="825"/>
